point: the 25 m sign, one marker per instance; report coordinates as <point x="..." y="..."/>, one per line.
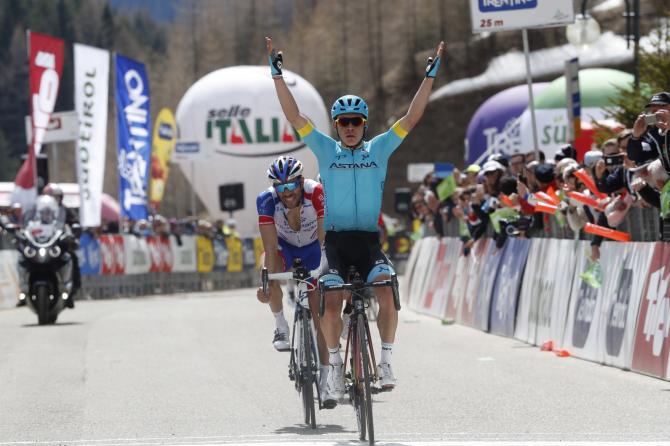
<point x="504" y="15"/>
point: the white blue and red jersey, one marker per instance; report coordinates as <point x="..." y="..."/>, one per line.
<point x="303" y="243"/>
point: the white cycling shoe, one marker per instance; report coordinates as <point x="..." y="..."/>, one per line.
<point x="280" y="341"/>
<point x="334" y="389"/>
<point x="387" y="380"/>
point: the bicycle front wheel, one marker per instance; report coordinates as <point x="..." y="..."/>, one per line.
<point x="366" y="394"/>
<point x="307" y="374"/>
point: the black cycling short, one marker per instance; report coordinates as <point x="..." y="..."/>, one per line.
<point x="358" y="248"/>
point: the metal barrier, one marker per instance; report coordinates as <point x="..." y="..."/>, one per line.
<point x="109" y="287"/>
<point x="644" y="225"/>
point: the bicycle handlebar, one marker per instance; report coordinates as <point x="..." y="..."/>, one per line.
<point x="296" y="275"/>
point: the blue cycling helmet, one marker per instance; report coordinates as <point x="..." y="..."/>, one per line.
<point x="285" y="169"/>
<point x="349" y="104"/>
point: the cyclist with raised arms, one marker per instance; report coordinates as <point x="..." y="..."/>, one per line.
<point x="353" y="172"/>
<point x="290" y="220"/>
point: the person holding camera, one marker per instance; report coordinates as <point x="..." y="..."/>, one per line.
<point x="649" y="140"/>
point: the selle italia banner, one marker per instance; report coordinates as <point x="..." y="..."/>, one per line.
<point x="91" y="80"/>
<point x="164" y="140"/>
<point x="133" y="136"/>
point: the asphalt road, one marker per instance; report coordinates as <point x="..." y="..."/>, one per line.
<point x="200" y="369"/>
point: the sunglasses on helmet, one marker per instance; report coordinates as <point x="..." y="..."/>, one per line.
<point x="356" y="121"/>
<point x="287" y="186"/>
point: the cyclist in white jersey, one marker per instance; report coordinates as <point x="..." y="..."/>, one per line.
<point x="290" y="219"/>
<point x="353" y="172"/>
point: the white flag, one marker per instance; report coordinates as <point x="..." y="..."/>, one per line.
<point x="91" y="81"/>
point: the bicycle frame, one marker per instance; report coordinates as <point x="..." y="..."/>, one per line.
<point x="363" y="370"/>
<point x="303" y="364"/>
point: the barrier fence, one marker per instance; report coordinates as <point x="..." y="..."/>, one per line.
<point x="531" y="290"/>
<point x="125" y="265"/>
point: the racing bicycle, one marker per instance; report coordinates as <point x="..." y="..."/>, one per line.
<point x="362" y="376"/>
<point x="303" y="367"/>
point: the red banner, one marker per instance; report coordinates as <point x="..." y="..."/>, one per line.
<point x="650" y="354"/>
<point x="46" y="66"/>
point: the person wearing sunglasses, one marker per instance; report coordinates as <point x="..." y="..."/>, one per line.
<point x="353" y="171"/>
<point x="290" y="220"/>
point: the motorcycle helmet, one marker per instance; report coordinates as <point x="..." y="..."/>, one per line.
<point x="46" y="209"/>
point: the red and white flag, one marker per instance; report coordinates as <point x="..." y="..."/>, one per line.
<point x="46" y="65"/>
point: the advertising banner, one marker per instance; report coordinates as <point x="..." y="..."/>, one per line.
<point x="184" y="254"/>
<point x="107" y="255"/>
<point x="458" y="287"/>
<point x="422" y="271"/>
<point x="507" y="285"/>
<point x="248" y="253"/>
<point x="137" y="256"/>
<point x="552" y="306"/>
<point x="258" y="250"/>
<point x="133" y="136"/>
<point x="205" y="254"/>
<point x="531" y="287"/>
<point x="220" y="255"/>
<point x="504" y="15"/>
<point x="119" y="254"/>
<point x="45" y="61"/>
<point x="164" y="140"/>
<point x="166" y="253"/>
<point x="447" y="274"/>
<point x="438" y="276"/>
<point x="410" y="269"/>
<point x="91" y="80"/>
<point x="485" y="289"/>
<point x="235" y="260"/>
<point x="650" y="353"/>
<point x="9" y="278"/>
<point x="581" y="330"/>
<point x="90" y="261"/>
<point x="475" y="270"/>
<point x="624" y="274"/>
<point x="155" y="253"/>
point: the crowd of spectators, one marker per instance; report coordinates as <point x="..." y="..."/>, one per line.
<point x="522" y="196"/>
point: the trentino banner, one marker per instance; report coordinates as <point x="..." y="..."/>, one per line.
<point x="133" y="136"/>
<point x="164" y="140"/>
<point x="91" y="80"/>
<point x="46" y="65"/>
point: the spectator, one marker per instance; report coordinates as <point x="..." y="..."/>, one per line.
<point x="516" y="164"/>
<point x="649" y="139"/>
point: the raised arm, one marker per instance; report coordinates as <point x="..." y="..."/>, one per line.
<point x="288" y="104"/>
<point x="418" y="105"/>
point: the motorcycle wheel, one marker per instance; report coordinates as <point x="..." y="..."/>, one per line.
<point x="43" y="313"/>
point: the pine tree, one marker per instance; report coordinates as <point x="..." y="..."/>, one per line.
<point x="654" y="68"/>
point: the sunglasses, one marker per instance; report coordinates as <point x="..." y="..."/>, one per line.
<point x="287" y="186"/>
<point x="356" y="121"/>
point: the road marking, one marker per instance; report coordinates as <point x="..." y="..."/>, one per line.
<point x="264" y="440"/>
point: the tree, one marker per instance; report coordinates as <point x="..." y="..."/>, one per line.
<point x="654" y="77"/>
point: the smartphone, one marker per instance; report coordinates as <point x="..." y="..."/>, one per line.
<point x="650" y="119"/>
<point x="613" y="160"/>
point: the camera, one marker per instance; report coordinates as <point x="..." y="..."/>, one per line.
<point x="650" y="119"/>
<point x="613" y="160"/>
<point x="516" y="227"/>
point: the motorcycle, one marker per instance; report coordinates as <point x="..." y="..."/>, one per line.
<point x="45" y="268"/>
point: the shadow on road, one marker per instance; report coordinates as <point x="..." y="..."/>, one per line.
<point x="321" y="429"/>
<point x="57" y="324"/>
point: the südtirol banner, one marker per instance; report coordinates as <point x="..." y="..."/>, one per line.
<point x="133" y="136"/>
<point x="46" y="65"/>
<point x="91" y="80"/>
<point x="164" y="140"/>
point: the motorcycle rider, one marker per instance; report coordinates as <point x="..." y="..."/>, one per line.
<point x="42" y="224"/>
